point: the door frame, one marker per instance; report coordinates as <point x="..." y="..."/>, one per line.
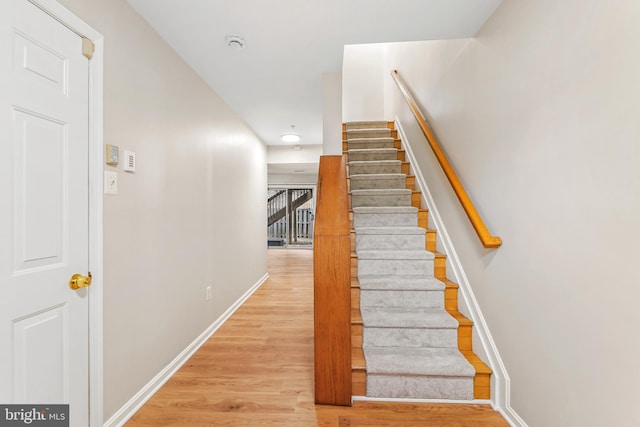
<point x="96" y="76"/>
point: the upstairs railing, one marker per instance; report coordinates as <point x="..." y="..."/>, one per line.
<point x="331" y="283"/>
<point x="487" y="239"/>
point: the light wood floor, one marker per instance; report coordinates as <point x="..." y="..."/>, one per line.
<point x="257" y="370"/>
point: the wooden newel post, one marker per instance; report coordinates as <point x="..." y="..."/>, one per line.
<point x="332" y="294"/>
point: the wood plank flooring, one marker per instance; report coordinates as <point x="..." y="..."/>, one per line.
<point x="257" y="370"/>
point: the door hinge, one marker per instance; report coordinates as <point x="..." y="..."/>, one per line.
<point x="88" y="48"/>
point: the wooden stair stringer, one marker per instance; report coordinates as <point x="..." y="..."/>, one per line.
<point x="358" y="363"/>
<point x="482" y="379"/>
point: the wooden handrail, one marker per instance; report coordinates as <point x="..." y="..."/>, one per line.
<point x="332" y="285"/>
<point x="488" y="240"/>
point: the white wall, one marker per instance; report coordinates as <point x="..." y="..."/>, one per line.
<point x="332" y="113"/>
<point x="285" y="154"/>
<point x="193" y="214"/>
<point x="539" y="115"/>
<point x="362" y="83"/>
<point x="291" y="167"/>
<point x="290" y="179"/>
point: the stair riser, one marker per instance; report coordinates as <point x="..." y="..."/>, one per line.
<point x="373" y="168"/>
<point x="365" y="183"/>
<point x="409" y="337"/>
<point x="385" y="267"/>
<point x="404" y="299"/>
<point x="358" y="383"/>
<point x="419" y="387"/>
<point x="382" y="220"/>
<point x="380" y="200"/>
<point x="368" y="133"/>
<point x="390" y="241"/>
<point x="370" y="143"/>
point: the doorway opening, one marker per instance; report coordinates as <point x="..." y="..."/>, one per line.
<point x="290" y="215"/>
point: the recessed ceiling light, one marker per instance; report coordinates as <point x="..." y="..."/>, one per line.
<point x="235" y="42"/>
<point x="290" y="136"/>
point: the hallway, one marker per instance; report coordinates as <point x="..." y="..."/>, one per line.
<point x="257" y="370"/>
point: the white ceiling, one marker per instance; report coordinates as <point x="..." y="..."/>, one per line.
<point x="276" y="80"/>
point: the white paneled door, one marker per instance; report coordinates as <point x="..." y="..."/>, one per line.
<point x="43" y="211"/>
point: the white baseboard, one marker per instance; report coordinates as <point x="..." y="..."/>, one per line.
<point x="139" y="399"/>
<point x="500" y="396"/>
<point x="432" y="401"/>
<point x="508" y="414"/>
<point x="511" y="416"/>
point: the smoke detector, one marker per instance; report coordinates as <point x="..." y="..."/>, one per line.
<point x="235" y="42"/>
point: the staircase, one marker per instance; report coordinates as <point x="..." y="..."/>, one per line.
<point x="408" y="338"/>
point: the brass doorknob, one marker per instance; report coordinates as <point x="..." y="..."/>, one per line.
<point x="78" y="281"/>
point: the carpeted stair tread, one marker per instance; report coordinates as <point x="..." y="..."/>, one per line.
<point x="381" y="197"/>
<point x="370" y="157"/>
<point x="374" y="162"/>
<point x="395" y="255"/>
<point x="369" y="181"/>
<point x="370" y="139"/>
<point x="371" y="142"/>
<point x="357" y="176"/>
<point x="396" y="317"/>
<point x="373" y="154"/>
<point x="366" y="125"/>
<point x="390" y="230"/>
<point x="385" y="210"/>
<point x="373" y="150"/>
<point x="376" y="216"/>
<point x="400" y="283"/>
<point x="380" y="191"/>
<point x="402" y="298"/>
<point x="368" y="133"/>
<point x="417" y="361"/>
<point x="375" y="167"/>
<point x="390" y="238"/>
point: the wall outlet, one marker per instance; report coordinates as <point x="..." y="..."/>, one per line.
<point x="208" y="293"/>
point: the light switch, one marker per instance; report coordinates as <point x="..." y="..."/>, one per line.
<point x="129" y="161"/>
<point x="110" y="182"/>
